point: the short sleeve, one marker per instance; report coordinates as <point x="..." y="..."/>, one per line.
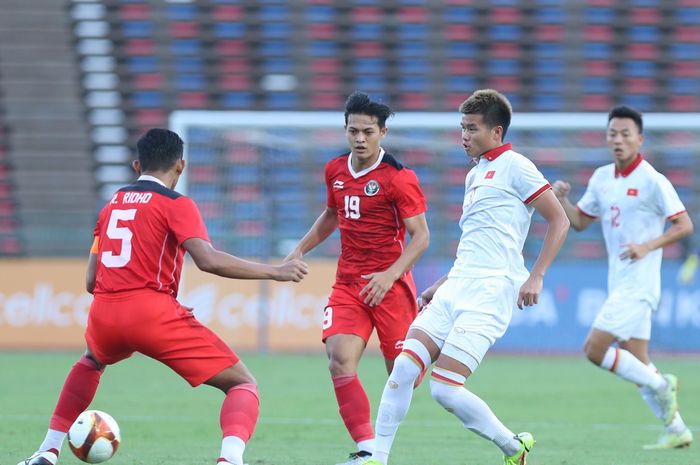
<point x="330" y="198"/>
<point x="668" y="202"/>
<point x="588" y="204"/>
<point x="529" y="183"/>
<point x="407" y="194"/>
<point x="185" y="221"/>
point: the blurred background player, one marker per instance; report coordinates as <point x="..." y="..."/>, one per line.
<point x="374" y="200"/>
<point x="134" y="271"/>
<point x="633" y="202"/>
<point x="471" y="307"/>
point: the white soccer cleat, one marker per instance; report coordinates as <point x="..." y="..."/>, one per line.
<point x="49" y="457"/>
<point x="668" y="398"/>
<point x="357" y="458"/>
<point x="672" y="441"/>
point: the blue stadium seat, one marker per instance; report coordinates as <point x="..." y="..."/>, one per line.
<point x="597" y="51"/>
<point x="506" y="32"/>
<point x="685" y="51"/>
<point x="371" y="83"/>
<point x="148" y="99"/>
<point x="549" y="50"/>
<point x="367" y="31"/>
<point x="460" y="14"/>
<point x="189" y="65"/>
<point x="273" y="13"/>
<point x="596" y="85"/>
<point x="190" y="82"/>
<point x="413" y="83"/>
<point x="369" y="66"/>
<point x="186" y="47"/>
<point x="684" y="85"/>
<point x="460" y="83"/>
<point x="276" y="30"/>
<point x="281" y="100"/>
<point x="318" y="48"/>
<point x="599" y="15"/>
<point x="182" y="12"/>
<point x="547" y="102"/>
<point x="133" y="29"/>
<point x="235" y="100"/>
<point x="550" y="15"/>
<point x="321" y="14"/>
<point x="232" y="30"/>
<point x="549" y="67"/>
<point x="275" y="48"/>
<point x="413" y="31"/>
<point x="462" y="50"/>
<point x="639" y="68"/>
<point x="688" y="15"/>
<point x="278" y="65"/>
<point x="644" y="34"/>
<point x="500" y="67"/>
<point x="412" y="49"/>
<point x="142" y="64"/>
<point x="413" y="66"/>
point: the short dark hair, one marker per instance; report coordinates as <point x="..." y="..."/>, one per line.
<point x="623" y="111"/>
<point x="359" y="103"/>
<point x="159" y="149"/>
<point x="492" y="105"/>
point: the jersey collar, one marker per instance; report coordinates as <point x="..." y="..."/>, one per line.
<point x="492" y="154"/>
<point x="366" y="170"/>
<point x="627" y="171"/>
<point x="148" y="177"/>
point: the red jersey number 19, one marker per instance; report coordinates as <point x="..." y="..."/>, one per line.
<point x="352" y="207"/>
<point x="117" y="233"/>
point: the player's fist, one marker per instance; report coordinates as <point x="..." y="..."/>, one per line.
<point x="292" y="270"/>
<point x="561" y="189"/>
<point x="426" y="296"/>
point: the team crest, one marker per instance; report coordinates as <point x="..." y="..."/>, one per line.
<point x="371" y="188"/>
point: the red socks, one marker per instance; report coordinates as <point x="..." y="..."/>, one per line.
<point x="354" y="406"/>
<point x="240" y="410"/>
<point x="78" y="391"/>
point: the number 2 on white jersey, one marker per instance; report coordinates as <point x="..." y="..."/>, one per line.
<point x="352" y="207"/>
<point x="123" y="234"/>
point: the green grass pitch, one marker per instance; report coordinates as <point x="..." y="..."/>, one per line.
<point x="578" y="414"/>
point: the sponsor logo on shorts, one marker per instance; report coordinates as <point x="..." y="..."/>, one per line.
<point x="398" y="345"/>
<point x="459" y="330"/>
<point x="372" y="188"/>
<point x="393" y="385"/>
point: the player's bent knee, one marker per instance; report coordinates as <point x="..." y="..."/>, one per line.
<point x="444" y="394"/>
<point x="405" y="370"/>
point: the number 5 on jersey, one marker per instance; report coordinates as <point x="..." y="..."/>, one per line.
<point x="352" y="207"/>
<point x="117" y="233"/>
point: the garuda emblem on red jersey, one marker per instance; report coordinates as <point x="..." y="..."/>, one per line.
<point x="371" y="188"/>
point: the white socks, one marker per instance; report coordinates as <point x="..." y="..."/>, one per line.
<point x="628" y="367"/>
<point x="677" y="426"/>
<point x="396" y="399"/>
<point x="447" y="389"/>
<point x="232" y="448"/>
<point x="53" y="440"/>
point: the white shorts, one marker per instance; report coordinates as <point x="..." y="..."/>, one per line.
<point x="467" y="315"/>
<point x="624" y="317"/>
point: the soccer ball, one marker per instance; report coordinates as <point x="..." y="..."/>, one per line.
<point x="94" y="437"/>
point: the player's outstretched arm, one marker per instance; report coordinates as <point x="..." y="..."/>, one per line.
<point x="213" y="261"/>
<point x="325" y="224"/>
<point x="380" y="282"/>
<point x="681" y="226"/>
<point x="557" y="227"/>
<point x="578" y="220"/>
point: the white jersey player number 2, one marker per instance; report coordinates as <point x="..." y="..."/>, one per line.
<point x="352" y="207"/>
<point x="124" y="234"/>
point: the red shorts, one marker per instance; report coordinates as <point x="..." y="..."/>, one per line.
<point x="155" y="324"/>
<point x="346" y="313"/>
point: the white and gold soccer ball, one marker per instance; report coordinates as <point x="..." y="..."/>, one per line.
<point x="94" y="437"/>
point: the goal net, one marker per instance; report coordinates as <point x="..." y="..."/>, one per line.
<point x="258" y="176"/>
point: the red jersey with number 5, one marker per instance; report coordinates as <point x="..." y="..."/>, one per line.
<point x="371" y="206"/>
<point x="139" y="238"/>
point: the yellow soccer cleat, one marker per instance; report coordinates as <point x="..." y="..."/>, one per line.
<point x="672" y="441"/>
<point x="527" y="442"/>
<point x="668" y="398"/>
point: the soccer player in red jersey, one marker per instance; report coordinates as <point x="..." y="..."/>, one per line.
<point x="374" y="200"/>
<point x="133" y="271"/>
